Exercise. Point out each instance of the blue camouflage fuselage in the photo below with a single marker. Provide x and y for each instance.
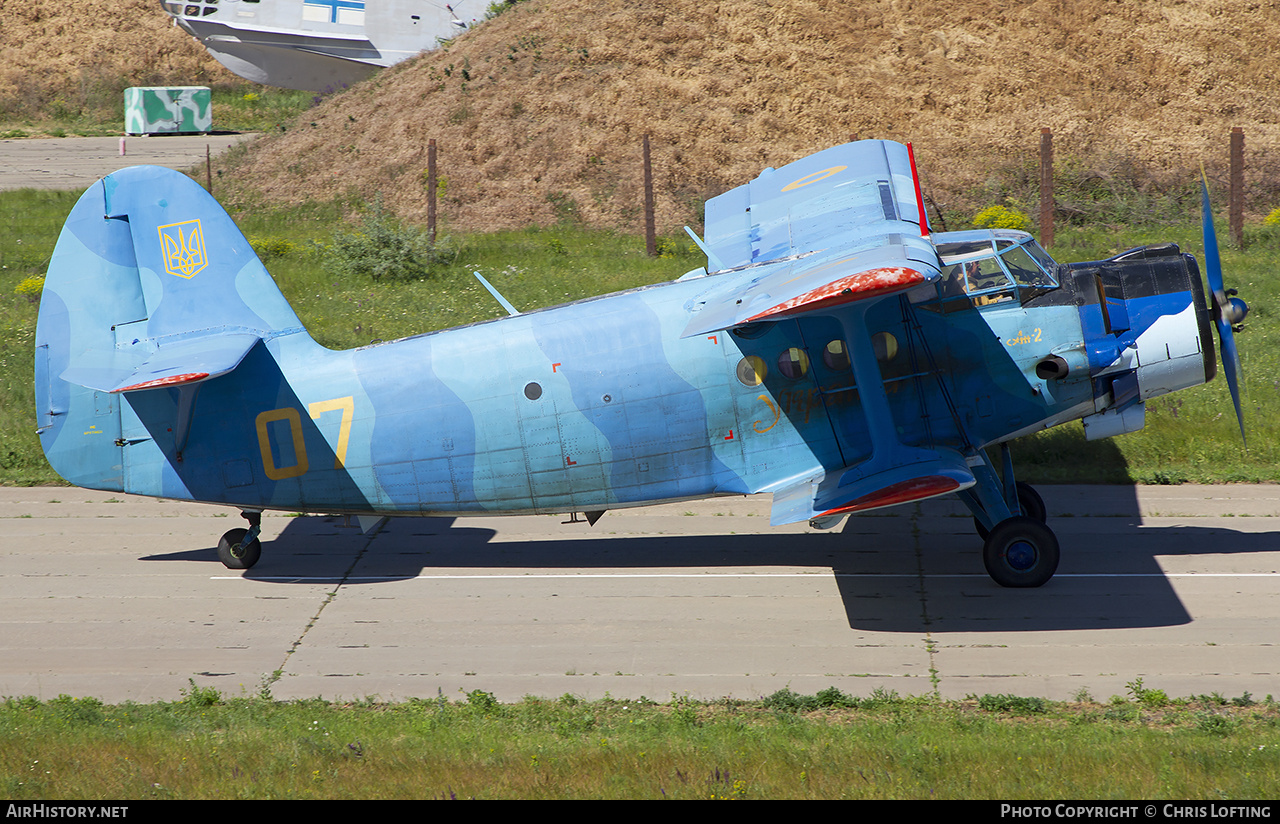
(168, 364)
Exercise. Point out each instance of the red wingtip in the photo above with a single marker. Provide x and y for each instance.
(915, 179)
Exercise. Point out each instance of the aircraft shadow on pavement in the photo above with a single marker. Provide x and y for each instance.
(894, 573)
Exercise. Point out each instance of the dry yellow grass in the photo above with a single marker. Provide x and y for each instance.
(544, 106)
(550, 99)
(77, 50)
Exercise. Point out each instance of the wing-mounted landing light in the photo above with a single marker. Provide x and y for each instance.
(1228, 310)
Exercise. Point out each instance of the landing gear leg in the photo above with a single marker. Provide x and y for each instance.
(240, 548)
(1019, 550)
(1029, 502)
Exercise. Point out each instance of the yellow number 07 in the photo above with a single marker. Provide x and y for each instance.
(346, 405)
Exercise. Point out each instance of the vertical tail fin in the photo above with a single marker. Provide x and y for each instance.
(151, 285)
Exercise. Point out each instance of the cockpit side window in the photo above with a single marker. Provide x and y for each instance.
(984, 274)
(980, 278)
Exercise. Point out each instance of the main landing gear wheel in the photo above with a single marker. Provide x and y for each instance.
(1029, 501)
(1020, 552)
(236, 553)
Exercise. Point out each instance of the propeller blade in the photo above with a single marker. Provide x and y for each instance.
(1226, 311)
(1212, 263)
(1231, 369)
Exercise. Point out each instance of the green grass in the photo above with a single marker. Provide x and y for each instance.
(532, 268)
(784, 746)
(29, 224)
(1191, 436)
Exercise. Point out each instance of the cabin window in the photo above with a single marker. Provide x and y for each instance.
(793, 363)
(751, 371)
(885, 346)
(836, 356)
(983, 280)
(532, 391)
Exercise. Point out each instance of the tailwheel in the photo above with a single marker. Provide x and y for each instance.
(1029, 501)
(240, 548)
(1020, 552)
(237, 553)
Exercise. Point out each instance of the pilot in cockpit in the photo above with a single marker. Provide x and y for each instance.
(961, 279)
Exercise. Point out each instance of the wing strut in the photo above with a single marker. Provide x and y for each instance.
(506, 304)
(917, 332)
(887, 449)
(714, 264)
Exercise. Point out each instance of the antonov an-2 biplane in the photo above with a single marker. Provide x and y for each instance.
(835, 352)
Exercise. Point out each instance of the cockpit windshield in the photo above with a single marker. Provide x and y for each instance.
(993, 271)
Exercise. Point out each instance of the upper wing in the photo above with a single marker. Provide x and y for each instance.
(837, 226)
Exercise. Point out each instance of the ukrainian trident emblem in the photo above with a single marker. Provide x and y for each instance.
(182, 247)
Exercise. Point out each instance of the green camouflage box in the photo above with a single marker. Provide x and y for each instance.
(168, 110)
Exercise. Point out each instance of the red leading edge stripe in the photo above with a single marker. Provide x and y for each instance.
(900, 493)
(872, 283)
(175, 380)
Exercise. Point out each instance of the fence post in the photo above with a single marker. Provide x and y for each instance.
(1046, 187)
(1236, 212)
(431, 191)
(650, 237)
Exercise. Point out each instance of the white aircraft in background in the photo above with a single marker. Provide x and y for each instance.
(318, 45)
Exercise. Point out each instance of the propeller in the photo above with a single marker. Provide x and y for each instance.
(1228, 310)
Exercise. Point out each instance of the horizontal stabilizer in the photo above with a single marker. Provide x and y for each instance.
(169, 364)
(848, 490)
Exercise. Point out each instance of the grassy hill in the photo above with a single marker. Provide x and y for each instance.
(539, 113)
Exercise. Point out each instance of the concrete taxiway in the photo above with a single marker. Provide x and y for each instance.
(77, 162)
(124, 599)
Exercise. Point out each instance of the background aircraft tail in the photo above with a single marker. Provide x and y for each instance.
(151, 287)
